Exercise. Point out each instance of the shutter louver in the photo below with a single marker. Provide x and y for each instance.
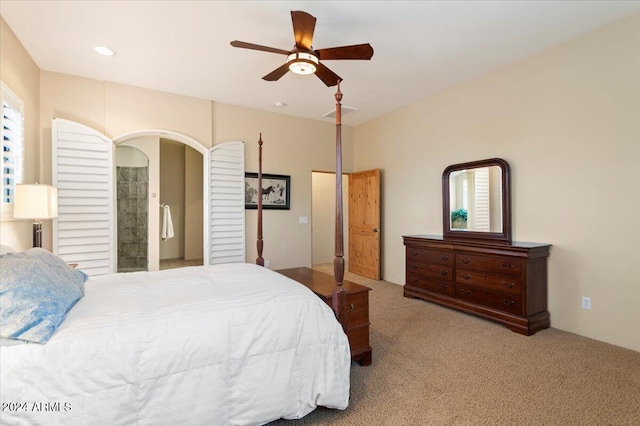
(482, 209)
(226, 203)
(11, 151)
(83, 171)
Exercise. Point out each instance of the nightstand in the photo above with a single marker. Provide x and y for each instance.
(357, 307)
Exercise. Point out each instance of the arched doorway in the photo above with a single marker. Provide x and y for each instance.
(83, 169)
(175, 197)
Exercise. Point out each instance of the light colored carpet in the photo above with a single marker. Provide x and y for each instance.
(436, 366)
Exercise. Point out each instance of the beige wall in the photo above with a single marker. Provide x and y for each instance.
(21, 74)
(323, 217)
(292, 146)
(568, 123)
(193, 219)
(172, 169)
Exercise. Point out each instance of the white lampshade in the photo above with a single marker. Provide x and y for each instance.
(35, 202)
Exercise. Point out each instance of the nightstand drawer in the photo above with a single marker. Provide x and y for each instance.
(357, 309)
(358, 338)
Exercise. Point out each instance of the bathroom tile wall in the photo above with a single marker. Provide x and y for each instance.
(133, 212)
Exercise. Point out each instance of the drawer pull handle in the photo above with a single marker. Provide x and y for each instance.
(443, 272)
(414, 253)
(465, 276)
(507, 265)
(508, 302)
(466, 260)
(413, 279)
(508, 285)
(444, 257)
(414, 266)
(351, 308)
(444, 286)
(465, 292)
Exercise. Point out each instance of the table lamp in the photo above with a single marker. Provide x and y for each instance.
(36, 202)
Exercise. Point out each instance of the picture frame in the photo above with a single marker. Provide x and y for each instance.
(276, 191)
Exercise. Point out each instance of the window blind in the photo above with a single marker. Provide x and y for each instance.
(12, 144)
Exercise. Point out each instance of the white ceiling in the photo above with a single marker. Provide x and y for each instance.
(182, 46)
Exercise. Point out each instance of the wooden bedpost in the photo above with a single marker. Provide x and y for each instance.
(260, 259)
(339, 301)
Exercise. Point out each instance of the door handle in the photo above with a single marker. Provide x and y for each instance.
(376, 230)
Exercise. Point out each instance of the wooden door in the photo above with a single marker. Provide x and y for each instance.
(364, 223)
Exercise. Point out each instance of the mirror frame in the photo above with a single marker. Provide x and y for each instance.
(499, 237)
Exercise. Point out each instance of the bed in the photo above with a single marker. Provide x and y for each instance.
(223, 344)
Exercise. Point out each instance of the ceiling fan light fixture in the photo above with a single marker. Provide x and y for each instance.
(302, 63)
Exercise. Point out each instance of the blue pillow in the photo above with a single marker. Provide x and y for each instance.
(34, 297)
(59, 266)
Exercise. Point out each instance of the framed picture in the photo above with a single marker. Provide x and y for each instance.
(275, 191)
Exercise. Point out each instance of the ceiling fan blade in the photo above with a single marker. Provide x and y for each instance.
(252, 46)
(303, 27)
(277, 73)
(357, 51)
(327, 76)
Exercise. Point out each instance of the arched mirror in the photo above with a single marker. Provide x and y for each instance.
(475, 201)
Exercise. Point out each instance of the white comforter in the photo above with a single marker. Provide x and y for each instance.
(214, 345)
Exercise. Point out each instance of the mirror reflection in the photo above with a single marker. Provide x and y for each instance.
(475, 199)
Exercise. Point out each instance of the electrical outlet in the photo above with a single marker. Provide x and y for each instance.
(267, 264)
(586, 302)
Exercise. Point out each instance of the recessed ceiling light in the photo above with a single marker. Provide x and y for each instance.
(103, 50)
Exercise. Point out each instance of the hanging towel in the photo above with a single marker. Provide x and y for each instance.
(167, 224)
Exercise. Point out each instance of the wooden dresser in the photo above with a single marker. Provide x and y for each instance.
(357, 307)
(503, 282)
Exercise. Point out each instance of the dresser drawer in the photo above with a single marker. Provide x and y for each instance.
(503, 283)
(481, 296)
(489, 264)
(357, 309)
(419, 281)
(422, 255)
(430, 270)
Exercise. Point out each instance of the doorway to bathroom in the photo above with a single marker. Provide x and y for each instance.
(159, 205)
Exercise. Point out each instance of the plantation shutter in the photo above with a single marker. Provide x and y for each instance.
(12, 144)
(83, 172)
(482, 210)
(226, 203)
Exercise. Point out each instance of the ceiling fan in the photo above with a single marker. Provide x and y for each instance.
(303, 59)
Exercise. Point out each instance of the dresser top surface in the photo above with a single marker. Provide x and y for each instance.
(439, 238)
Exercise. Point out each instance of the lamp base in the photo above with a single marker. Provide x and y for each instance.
(37, 234)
